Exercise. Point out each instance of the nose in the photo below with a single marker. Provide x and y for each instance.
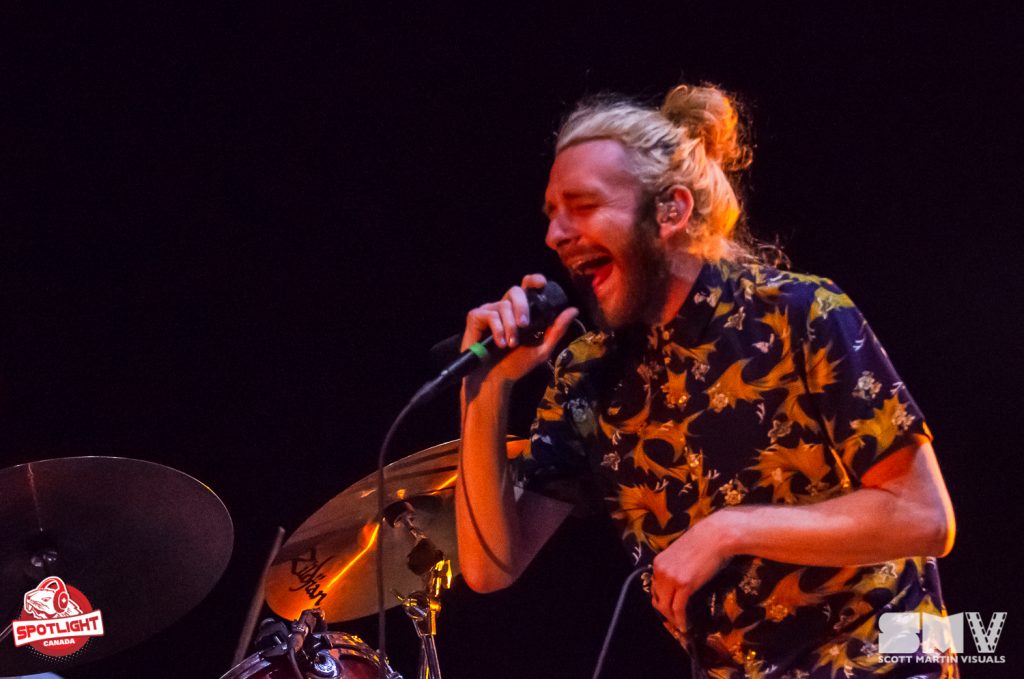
(560, 231)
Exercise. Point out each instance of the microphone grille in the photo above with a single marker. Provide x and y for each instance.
(545, 304)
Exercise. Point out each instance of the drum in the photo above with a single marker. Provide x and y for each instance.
(344, 656)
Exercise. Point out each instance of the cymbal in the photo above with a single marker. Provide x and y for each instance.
(143, 542)
(329, 561)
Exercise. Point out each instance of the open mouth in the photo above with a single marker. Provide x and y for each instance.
(595, 268)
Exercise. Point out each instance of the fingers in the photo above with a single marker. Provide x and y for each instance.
(534, 280)
(658, 601)
(479, 322)
(662, 597)
(520, 306)
(679, 635)
(502, 319)
(672, 606)
(678, 610)
(509, 325)
(670, 599)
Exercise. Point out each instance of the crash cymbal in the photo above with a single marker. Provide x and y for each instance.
(329, 561)
(143, 542)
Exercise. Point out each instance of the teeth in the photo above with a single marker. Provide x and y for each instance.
(580, 264)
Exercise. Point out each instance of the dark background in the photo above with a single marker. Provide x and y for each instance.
(229, 236)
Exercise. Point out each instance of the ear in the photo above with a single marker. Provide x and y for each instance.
(673, 208)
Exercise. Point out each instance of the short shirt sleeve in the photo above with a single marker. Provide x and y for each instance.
(865, 408)
(555, 462)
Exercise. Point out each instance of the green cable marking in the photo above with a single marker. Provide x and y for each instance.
(480, 350)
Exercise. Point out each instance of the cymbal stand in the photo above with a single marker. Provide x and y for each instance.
(422, 606)
(42, 564)
(6, 631)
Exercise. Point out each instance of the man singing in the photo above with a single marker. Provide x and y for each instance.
(742, 423)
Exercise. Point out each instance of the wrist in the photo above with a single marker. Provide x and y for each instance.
(730, 530)
(492, 389)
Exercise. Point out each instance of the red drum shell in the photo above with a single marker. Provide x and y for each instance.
(351, 657)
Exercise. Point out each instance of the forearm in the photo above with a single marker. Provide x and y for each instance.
(493, 547)
(869, 525)
(486, 520)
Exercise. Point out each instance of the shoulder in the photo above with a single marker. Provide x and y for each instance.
(805, 297)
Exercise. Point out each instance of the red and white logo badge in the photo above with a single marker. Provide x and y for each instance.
(56, 619)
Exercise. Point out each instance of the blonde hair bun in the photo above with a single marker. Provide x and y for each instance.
(710, 115)
(695, 140)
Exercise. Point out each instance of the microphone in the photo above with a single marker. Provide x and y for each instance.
(545, 304)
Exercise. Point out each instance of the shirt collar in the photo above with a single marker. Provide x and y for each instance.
(688, 325)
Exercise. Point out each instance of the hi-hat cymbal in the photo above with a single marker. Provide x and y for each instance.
(143, 542)
(329, 561)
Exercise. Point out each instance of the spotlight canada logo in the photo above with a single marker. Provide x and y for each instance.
(56, 619)
(915, 637)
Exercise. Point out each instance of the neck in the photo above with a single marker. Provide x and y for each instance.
(684, 272)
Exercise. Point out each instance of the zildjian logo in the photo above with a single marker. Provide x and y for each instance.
(307, 569)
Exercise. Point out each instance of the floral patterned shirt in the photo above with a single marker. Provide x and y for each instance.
(767, 387)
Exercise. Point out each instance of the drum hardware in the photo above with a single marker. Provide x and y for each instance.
(41, 564)
(327, 562)
(423, 606)
(306, 649)
(142, 542)
(276, 640)
(257, 601)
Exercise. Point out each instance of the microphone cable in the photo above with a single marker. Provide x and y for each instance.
(615, 617)
(379, 551)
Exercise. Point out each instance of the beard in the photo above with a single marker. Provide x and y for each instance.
(646, 271)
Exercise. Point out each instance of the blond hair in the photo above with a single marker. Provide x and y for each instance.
(695, 139)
